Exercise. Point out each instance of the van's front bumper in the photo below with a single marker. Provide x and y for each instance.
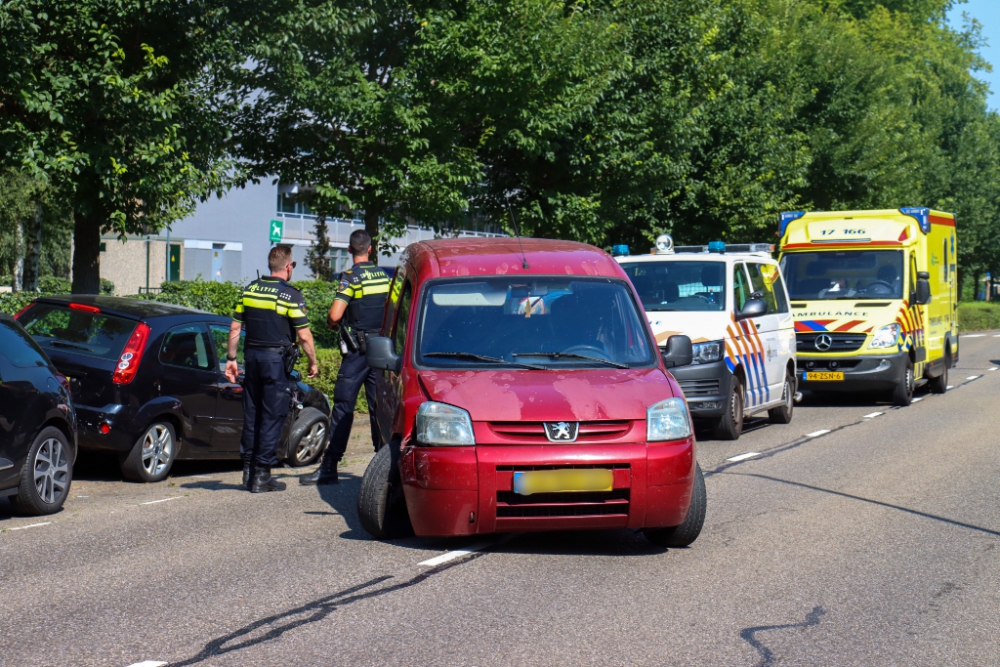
(469, 490)
(875, 372)
(706, 388)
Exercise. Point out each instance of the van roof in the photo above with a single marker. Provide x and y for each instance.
(492, 256)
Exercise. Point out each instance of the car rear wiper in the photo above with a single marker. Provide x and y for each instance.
(570, 355)
(75, 346)
(482, 357)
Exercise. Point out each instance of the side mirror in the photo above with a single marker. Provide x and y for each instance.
(923, 295)
(678, 352)
(381, 355)
(752, 308)
(923, 275)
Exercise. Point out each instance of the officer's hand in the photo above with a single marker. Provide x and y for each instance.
(232, 371)
(313, 370)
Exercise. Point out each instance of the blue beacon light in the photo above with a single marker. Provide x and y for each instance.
(717, 246)
(619, 250)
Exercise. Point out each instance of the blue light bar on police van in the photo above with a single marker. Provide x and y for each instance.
(717, 246)
(619, 250)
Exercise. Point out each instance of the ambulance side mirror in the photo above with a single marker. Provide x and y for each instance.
(923, 294)
(678, 352)
(381, 355)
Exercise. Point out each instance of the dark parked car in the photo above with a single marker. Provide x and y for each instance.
(37, 425)
(147, 380)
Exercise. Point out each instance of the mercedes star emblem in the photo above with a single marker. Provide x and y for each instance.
(824, 342)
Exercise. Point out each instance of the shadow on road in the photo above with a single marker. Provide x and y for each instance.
(582, 543)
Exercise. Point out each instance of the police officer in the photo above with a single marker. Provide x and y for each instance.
(357, 310)
(274, 315)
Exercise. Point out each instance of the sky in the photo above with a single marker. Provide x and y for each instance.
(987, 12)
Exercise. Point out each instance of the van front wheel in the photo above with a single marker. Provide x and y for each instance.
(381, 506)
(902, 395)
(730, 424)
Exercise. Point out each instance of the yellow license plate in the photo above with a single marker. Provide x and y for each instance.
(563, 481)
(825, 377)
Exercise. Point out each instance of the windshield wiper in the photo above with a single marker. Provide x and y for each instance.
(59, 343)
(570, 355)
(483, 357)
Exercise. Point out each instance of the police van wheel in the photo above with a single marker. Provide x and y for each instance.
(686, 533)
(152, 455)
(783, 415)
(730, 424)
(308, 438)
(381, 506)
(902, 395)
(939, 385)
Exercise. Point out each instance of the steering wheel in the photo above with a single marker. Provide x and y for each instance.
(589, 350)
(879, 287)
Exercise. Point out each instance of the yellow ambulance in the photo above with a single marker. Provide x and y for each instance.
(874, 299)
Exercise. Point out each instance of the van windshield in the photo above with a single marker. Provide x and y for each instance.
(537, 322)
(850, 274)
(679, 286)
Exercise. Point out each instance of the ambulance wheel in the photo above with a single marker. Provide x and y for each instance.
(730, 424)
(381, 505)
(939, 385)
(686, 533)
(902, 395)
(783, 415)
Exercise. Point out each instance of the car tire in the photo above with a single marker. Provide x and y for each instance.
(686, 533)
(730, 424)
(381, 506)
(939, 385)
(152, 455)
(47, 474)
(308, 438)
(783, 415)
(902, 394)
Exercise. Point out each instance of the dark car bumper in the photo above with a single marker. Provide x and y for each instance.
(89, 420)
(862, 373)
(705, 386)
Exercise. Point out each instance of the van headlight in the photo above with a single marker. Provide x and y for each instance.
(706, 353)
(445, 425)
(668, 420)
(886, 336)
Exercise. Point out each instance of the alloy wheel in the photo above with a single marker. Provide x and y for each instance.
(157, 448)
(310, 443)
(51, 470)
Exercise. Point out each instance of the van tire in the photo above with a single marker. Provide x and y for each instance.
(381, 506)
(730, 424)
(939, 385)
(783, 415)
(902, 394)
(686, 533)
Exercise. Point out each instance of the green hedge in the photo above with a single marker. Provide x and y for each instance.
(978, 315)
(329, 365)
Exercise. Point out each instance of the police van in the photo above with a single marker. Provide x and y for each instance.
(731, 301)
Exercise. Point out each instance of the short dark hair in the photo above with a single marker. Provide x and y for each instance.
(279, 257)
(360, 242)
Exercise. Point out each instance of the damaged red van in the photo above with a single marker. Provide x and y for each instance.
(522, 390)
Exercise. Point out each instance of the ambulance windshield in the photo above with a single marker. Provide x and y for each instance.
(679, 285)
(851, 274)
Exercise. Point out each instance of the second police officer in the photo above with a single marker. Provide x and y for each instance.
(357, 310)
(273, 313)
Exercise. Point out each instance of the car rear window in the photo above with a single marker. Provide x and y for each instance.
(17, 347)
(61, 329)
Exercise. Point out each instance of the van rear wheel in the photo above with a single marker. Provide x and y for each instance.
(939, 385)
(730, 424)
(783, 415)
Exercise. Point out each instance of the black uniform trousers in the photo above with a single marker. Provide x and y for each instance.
(266, 402)
(354, 373)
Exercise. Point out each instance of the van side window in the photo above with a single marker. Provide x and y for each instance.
(913, 277)
(741, 290)
(762, 276)
(402, 318)
(186, 346)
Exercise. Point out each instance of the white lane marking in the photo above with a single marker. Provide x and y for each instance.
(83, 496)
(972, 377)
(873, 415)
(951, 386)
(744, 457)
(161, 500)
(32, 525)
(974, 336)
(917, 400)
(148, 663)
(996, 335)
(994, 368)
(452, 555)
(816, 434)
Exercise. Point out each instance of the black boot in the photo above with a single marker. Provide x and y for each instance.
(246, 474)
(263, 482)
(325, 474)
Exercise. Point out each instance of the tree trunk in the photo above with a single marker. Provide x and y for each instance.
(33, 251)
(86, 254)
(19, 262)
(371, 226)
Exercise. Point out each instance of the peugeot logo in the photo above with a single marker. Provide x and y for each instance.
(562, 431)
(824, 342)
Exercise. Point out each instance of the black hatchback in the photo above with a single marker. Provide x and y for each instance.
(148, 383)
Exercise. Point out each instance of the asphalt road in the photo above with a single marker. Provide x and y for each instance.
(854, 538)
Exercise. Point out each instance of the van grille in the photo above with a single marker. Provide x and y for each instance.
(841, 342)
(531, 432)
(692, 388)
(605, 503)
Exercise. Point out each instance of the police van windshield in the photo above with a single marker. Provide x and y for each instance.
(535, 323)
(852, 274)
(680, 286)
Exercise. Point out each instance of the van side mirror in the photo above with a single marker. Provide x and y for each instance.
(752, 308)
(923, 295)
(678, 352)
(381, 355)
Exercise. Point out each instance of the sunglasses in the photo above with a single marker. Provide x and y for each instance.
(293, 265)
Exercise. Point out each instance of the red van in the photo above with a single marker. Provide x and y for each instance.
(524, 391)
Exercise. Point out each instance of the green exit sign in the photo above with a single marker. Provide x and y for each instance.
(277, 229)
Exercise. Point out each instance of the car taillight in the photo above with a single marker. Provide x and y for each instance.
(128, 363)
(84, 307)
(23, 310)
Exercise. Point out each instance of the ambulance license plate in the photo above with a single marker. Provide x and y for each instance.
(828, 376)
(563, 481)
